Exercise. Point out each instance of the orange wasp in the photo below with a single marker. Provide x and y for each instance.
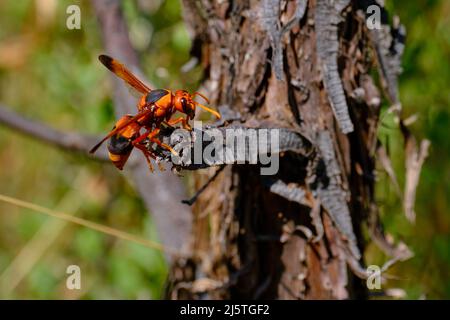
(154, 108)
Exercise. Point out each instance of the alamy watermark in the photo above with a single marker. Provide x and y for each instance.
(373, 20)
(228, 146)
(73, 281)
(73, 21)
(373, 281)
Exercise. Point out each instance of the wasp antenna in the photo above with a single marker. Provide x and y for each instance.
(201, 95)
(214, 112)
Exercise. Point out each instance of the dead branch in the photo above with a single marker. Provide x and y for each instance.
(71, 141)
(162, 192)
(388, 42)
(414, 158)
(289, 140)
(387, 166)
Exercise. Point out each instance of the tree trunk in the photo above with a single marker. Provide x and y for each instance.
(306, 66)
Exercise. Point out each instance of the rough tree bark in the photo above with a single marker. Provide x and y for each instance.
(306, 66)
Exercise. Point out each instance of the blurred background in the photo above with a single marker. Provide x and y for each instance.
(51, 74)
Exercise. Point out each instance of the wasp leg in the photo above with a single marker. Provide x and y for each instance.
(141, 138)
(184, 123)
(147, 156)
(137, 143)
(160, 166)
(167, 124)
(152, 138)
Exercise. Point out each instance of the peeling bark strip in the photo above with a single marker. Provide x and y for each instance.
(390, 54)
(399, 251)
(298, 193)
(292, 191)
(389, 43)
(270, 20)
(327, 18)
(289, 140)
(298, 15)
(270, 12)
(331, 194)
(387, 166)
(415, 157)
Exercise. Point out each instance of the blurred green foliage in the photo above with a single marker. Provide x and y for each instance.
(424, 90)
(51, 74)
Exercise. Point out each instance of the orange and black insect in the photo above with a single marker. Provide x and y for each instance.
(120, 145)
(154, 108)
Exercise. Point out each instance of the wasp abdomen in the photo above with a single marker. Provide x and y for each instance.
(119, 149)
(119, 145)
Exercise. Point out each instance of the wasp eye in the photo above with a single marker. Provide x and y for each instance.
(184, 104)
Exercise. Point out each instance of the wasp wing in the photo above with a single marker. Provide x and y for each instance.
(120, 127)
(123, 73)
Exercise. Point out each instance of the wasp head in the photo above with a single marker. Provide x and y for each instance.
(184, 102)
